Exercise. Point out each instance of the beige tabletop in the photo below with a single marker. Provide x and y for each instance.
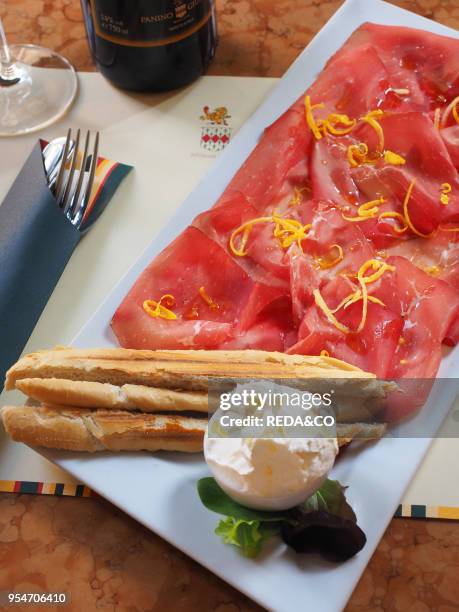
(91, 550)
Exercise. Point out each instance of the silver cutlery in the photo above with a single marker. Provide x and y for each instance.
(52, 157)
(73, 185)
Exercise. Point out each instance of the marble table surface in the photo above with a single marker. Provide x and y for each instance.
(91, 550)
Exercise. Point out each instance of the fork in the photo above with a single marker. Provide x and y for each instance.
(72, 191)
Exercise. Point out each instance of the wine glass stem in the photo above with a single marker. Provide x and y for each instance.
(5, 49)
(8, 70)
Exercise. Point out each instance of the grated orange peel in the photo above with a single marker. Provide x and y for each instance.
(407, 215)
(366, 211)
(161, 309)
(378, 269)
(287, 231)
(310, 120)
(451, 108)
(402, 228)
(445, 189)
(207, 299)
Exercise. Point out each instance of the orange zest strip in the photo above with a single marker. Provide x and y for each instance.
(366, 211)
(335, 124)
(207, 299)
(375, 300)
(372, 119)
(347, 301)
(244, 239)
(329, 124)
(394, 159)
(364, 290)
(358, 296)
(320, 302)
(401, 229)
(310, 117)
(448, 229)
(353, 298)
(407, 215)
(370, 209)
(451, 108)
(357, 155)
(161, 309)
(455, 114)
(445, 190)
(287, 231)
(379, 268)
(325, 263)
(245, 230)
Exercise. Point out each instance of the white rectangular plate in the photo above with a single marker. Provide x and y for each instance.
(160, 490)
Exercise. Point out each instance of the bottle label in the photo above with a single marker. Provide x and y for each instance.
(149, 23)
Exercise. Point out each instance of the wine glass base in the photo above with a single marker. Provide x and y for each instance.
(36, 90)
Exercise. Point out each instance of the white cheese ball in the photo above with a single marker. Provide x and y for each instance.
(270, 473)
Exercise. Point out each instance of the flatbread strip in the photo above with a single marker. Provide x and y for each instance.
(79, 429)
(188, 370)
(84, 394)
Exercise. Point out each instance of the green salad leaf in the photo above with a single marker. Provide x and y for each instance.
(330, 498)
(215, 499)
(249, 536)
(324, 523)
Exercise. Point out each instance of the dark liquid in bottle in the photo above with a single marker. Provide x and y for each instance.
(151, 45)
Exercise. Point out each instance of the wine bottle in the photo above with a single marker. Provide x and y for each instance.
(151, 45)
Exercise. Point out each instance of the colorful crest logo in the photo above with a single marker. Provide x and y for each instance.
(216, 133)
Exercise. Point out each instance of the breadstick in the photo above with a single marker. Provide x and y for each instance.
(79, 429)
(105, 395)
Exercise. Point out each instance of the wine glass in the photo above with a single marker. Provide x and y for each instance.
(37, 87)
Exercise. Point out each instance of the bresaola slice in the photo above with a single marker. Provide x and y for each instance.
(264, 295)
(188, 264)
(271, 330)
(428, 307)
(331, 238)
(427, 162)
(450, 136)
(284, 145)
(356, 90)
(438, 256)
(330, 172)
(372, 349)
(401, 339)
(424, 63)
(265, 258)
